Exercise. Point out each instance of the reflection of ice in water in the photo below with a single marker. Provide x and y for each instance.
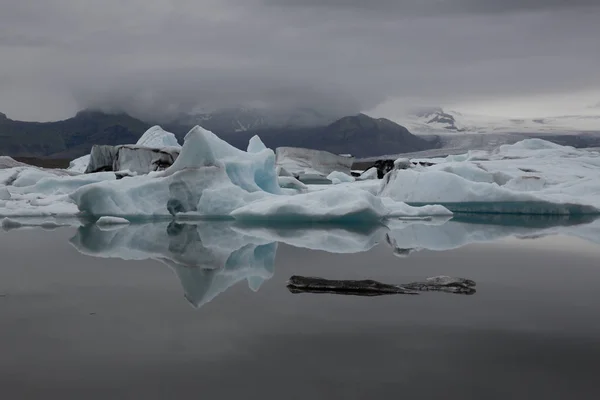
(210, 257)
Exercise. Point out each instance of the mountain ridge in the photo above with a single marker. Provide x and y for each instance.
(360, 134)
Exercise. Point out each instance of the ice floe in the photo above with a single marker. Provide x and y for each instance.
(529, 177)
(208, 178)
(300, 161)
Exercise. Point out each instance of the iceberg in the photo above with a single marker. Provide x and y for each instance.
(111, 221)
(101, 158)
(299, 161)
(337, 177)
(210, 178)
(157, 138)
(371, 173)
(342, 205)
(529, 177)
(80, 164)
(143, 160)
(156, 150)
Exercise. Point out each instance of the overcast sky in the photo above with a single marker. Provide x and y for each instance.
(512, 57)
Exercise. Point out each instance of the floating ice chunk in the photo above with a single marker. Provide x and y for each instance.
(324, 206)
(461, 195)
(282, 171)
(9, 162)
(143, 160)
(102, 158)
(402, 163)
(256, 145)
(157, 138)
(210, 178)
(4, 194)
(337, 177)
(79, 164)
(369, 174)
(307, 161)
(469, 171)
(30, 176)
(46, 184)
(250, 171)
(526, 183)
(342, 204)
(111, 221)
(35, 208)
(47, 224)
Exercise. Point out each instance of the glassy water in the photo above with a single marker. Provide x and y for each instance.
(182, 310)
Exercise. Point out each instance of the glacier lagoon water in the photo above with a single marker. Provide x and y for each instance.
(174, 309)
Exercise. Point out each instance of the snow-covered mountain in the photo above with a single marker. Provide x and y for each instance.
(435, 120)
(242, 119)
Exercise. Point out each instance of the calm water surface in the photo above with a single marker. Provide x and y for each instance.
(76, 326)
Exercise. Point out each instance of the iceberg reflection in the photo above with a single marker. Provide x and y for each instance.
(209, 257)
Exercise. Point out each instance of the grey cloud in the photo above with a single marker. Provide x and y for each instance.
(438, 7)
(159, 57)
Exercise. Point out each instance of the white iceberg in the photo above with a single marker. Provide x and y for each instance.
(369, 174)
(344, 205)
(157, 138)
(111, 221)
(529, 177)
(155, 150)
(299, 161)
(337, 177)
(143, 160)
(79, 164)
(210, 178)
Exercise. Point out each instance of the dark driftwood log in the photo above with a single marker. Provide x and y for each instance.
(302, 284)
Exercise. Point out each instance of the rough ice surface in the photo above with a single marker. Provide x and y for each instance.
(211, 179)
(157, 138)
(289, 182)
(529, 177)
(143, 160)
(314, 162)
(255, 145)
(111, 221)
(337, 177)
(369, 174)
(102, 158)
(79, 164)
(155, 150)
(9, 162)
(328, 205)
